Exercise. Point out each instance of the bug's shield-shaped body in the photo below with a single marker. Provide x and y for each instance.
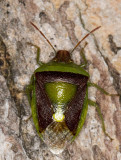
(58, 95)
(60, 106)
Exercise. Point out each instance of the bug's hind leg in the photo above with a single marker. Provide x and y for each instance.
(92, 103)
(97, 107)
(38, 52)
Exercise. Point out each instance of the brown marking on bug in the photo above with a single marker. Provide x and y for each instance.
(63, 56)
(73, 112)
(44, 110)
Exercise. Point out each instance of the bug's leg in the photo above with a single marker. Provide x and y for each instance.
(100, 89)
(83, 55)
(29, 89)
(92, 103)
(38, 52)
(28, 92)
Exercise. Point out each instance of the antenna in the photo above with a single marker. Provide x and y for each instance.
(43, 35)
(85, 37)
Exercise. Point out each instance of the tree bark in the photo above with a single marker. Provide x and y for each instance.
(64, 23)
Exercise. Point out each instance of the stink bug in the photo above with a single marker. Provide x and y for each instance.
(58, 95)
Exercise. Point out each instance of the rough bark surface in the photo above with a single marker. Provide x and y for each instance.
(64, 22)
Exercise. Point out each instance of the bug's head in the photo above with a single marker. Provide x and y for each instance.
(63, 55)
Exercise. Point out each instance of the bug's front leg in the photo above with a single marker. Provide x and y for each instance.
(38, 52)
(83, 55)
(92, 103)
(29, 89)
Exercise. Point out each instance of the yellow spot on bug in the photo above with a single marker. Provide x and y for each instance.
(58, 115)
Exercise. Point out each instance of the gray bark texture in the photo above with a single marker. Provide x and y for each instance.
(64, 22)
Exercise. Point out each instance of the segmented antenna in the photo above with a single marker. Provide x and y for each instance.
(43, 36)
(85, 37)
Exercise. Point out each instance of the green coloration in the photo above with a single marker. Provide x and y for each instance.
(100, 89)
(60, 92)
(83, 55)
(65, 97)
(90, 102)
(34, 111)
(38, 52)
(83, 115)
(29, 89)
(62, 67)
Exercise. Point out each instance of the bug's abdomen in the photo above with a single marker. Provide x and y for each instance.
(60, 96)
(59, 103)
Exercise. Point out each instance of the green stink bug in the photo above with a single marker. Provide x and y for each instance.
(58, 95)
